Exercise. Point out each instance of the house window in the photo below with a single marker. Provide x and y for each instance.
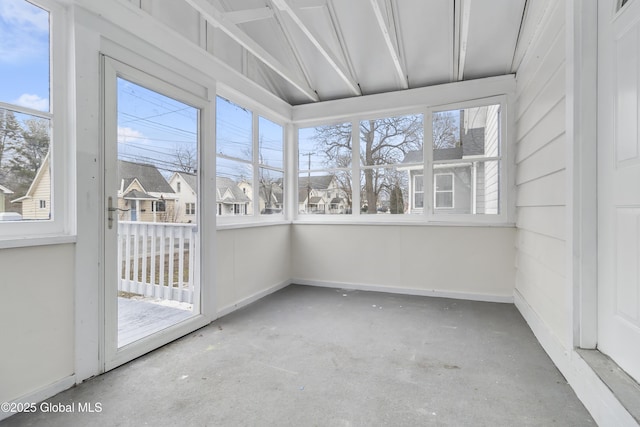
(443, 191)
(32, 34)
(178, 187)
(158, 206)
(190, 208)
(418, 191)
(250, 155)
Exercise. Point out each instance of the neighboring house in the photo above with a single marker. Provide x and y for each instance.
(322, 194)
(271, 196)
(185, 186)
(36, 204)
(231, 199)
(465, 183)
(4, 194)
(144, 194)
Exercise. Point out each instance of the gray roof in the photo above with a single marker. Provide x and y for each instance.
(276, 191)
(472, 145)
(237, 195)
(138, 195)
(318, 182)
(191, 180)
(147, 175)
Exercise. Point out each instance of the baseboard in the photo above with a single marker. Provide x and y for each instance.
(42, 394)
(407, 291)
(601, 403)
(252, 298)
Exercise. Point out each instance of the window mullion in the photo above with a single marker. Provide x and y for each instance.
(355, 168)
(256, 164)
(427, 177)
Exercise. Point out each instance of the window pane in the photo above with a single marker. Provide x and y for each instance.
(157, 155)
(234, 187)
(24, 54)
(233, 130)
(325, 147)
(386, 191)
(390, 140)
(25, 176)
(271, 191)
(270, 143)
(467, 188)
(325, 193)
(459, 134)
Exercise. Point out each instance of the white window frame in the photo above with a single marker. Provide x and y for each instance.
(452, 191)
(60, 227)
(429, 214)
(438, 215)
(254, 217)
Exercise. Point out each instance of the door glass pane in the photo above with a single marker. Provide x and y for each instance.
(157, 211)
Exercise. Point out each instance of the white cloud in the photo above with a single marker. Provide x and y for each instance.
(32, 101)
(126, 134)
(25, 31)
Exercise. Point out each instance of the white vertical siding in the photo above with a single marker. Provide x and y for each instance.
(540, 173)
(491, 170)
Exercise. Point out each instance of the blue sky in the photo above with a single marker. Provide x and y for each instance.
(24, 54)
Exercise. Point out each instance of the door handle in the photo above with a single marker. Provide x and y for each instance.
(111, 210)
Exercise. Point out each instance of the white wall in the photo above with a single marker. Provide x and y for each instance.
(252, 262)
(36, 314)
(541, 177)
(465, 262)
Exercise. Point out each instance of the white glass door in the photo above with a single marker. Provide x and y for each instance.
(152, 234)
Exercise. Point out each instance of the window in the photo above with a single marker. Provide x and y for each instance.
(380, 165)
(178, 187)
(190, 208)
(250, 154)
(389, 153)
(325, 170)
(158, 206)
(31, 108)
(467, 157)
(418, 191)
(443, 191)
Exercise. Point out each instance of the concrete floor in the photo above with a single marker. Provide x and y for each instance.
(309, 356)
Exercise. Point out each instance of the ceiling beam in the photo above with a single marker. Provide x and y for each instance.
(328, 56)
(217, 19)
(462, 15)
(402, 76)
(249, 15)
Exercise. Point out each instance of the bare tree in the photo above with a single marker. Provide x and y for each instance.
(446, 129)
(382, 142)
(186, 159)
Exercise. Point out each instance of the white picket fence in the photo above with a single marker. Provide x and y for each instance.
(157, 259)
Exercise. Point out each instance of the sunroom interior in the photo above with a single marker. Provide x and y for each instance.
(202, 155)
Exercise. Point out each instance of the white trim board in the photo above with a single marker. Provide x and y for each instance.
(601, 403)
(407, 291)
(228, 309)
(42, 394)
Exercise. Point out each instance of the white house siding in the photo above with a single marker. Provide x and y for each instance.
(251, 262)
(491, 169)
(37, 314)
(423, 260)
(540, 174)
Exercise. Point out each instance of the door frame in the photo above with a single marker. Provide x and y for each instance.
(581, 131)
(184, 88)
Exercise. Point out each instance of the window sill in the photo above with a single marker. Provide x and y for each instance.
(411, 222)
(46, 240)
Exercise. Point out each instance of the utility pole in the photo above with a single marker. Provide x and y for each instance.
(308, 178)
